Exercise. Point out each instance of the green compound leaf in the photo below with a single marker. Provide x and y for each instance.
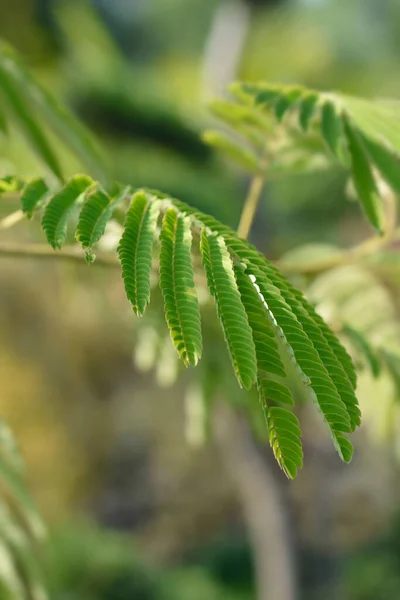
(13, 94)
(28, 101)
(276, 391)
(232, 315)
(283, 428)
(267, 351)
(329, 382)
(135, 250)
(96, 211)
(177, 286)
(386, 161)
(308, 106)
(33, 196)
(59, 208)
(332, 129)
(364, 181)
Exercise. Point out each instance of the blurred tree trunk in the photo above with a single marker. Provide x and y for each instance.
(224, 46)
(263, 507)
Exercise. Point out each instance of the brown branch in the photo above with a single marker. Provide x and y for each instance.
(371, 245)
(71, 253)
(11, 219)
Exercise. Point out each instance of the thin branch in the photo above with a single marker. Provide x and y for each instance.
(252, 200)
(250, 206)
(11, 219)
(352, 255)
(71, 253)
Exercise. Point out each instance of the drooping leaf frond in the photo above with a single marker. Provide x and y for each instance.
(97, 210)
(13, 98)
(231, 312)
(331, 127)
(276, 391)
(33, 196)
(267, 323)
(320, 369)
(307, 109)
(335, 357)
(386, 161)
(267, 351)
(299, 340)
(28, 102)
(283, 426)
(364, 181)
(93, 218)
(135, 250)
(57, 211)
(177, 286)
(363, 136)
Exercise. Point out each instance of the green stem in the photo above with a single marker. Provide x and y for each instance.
(250, 206)
(252, 200)
(70, 253)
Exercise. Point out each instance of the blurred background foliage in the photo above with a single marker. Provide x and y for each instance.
(137, 506)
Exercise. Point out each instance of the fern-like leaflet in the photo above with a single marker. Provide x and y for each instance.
(97, 210)
(364, 136)
(177, 286)
(232, 314)
(297, 327)
(59, 208)
(267, 351)
(266, 322)
(33, 195)
(283, 426)
(135, 250)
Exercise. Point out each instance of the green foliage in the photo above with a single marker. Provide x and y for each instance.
(21, 529)
(231, 312)
(299, 328)
(275, 339)
(10, 184)
(88, 563)
(59, 208)
(33, 108)
(266, 322)
(135, 250)
(283, 426)
(332, 128)
(360, 300)
(94, 216)
(177, 286)
(272, 333)
(13, 97)
(363, 136)
(386, 161)
(260, 321)
(364, 180)
(33, 195)
(242, 156)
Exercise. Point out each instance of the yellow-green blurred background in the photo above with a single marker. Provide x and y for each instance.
(137, 507)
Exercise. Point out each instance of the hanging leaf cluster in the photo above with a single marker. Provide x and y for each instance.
(362, 136)
(264, 319)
